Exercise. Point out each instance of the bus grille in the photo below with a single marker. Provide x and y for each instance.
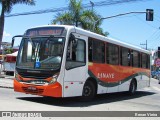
(36, 76)
(32, 91)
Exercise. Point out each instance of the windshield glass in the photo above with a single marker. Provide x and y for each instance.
(41, 53)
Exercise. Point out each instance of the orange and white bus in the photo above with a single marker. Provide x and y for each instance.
(66, 61)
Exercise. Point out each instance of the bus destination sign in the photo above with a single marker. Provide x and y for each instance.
(45, 31)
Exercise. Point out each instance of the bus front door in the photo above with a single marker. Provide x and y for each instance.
(75, 67)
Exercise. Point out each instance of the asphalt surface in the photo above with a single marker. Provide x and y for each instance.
(147, 99)
(6, 81)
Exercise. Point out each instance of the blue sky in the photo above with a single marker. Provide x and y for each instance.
(133, 28)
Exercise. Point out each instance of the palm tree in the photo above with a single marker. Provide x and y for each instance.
(91, 21)
(79, 17)
(6, 8)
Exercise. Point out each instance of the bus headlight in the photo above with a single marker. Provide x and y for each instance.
(17, 77)
(54, 79)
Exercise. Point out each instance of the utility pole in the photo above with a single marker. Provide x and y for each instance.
(144, 44)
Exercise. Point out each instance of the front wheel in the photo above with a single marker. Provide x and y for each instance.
(89, 91)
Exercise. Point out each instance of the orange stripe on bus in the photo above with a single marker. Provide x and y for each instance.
(114, 73)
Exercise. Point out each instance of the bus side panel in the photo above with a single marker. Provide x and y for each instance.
(117, 78)
(106, 75)
(124, 86)
(126, 75)
(73, 88)
(102, 89)
(74, 81)
(143, 77)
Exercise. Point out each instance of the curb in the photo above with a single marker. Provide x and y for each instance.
(6, 87)
(2, 77)
(7, 77)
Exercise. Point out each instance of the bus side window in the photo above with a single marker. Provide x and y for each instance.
(112, 54)
(98, 51)
(126, 57)
(76, 54)
(90, 48)
(145, 61)
(136, 59)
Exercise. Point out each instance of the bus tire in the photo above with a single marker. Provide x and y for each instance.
(132, 87)
(89, 91)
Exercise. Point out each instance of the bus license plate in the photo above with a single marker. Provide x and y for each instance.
(32, 88)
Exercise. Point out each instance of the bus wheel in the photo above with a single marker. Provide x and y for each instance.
(89, 91)
(133, 87)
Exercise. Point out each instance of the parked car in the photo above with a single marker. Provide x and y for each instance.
(154, 74)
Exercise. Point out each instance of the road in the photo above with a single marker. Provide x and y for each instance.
(147, 99)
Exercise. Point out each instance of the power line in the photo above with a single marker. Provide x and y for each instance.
(96, 4)
(145, 22)
(153, 41)
(157, 17)
(153, 34)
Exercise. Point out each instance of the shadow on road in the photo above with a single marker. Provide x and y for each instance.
(75, 102)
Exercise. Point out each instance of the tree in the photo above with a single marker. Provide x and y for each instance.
(7, 6)
(8, 50)
(79, 17)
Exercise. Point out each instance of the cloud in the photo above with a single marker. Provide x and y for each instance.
(5, 34)
(6, 37)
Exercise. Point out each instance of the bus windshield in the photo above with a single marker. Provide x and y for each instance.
(41, 53)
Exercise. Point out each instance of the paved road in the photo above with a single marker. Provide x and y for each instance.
(147, 99)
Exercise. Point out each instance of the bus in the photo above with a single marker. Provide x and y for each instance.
(66, 61)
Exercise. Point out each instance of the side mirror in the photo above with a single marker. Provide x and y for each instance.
(13, 39)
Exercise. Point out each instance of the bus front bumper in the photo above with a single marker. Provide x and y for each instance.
(53, 90)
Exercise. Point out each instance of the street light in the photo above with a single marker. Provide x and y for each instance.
(149, 16)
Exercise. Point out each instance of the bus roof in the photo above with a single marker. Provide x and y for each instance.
(99, 37)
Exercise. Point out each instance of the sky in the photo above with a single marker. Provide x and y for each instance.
(132, 29)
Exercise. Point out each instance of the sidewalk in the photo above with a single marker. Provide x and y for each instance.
(6, 81)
